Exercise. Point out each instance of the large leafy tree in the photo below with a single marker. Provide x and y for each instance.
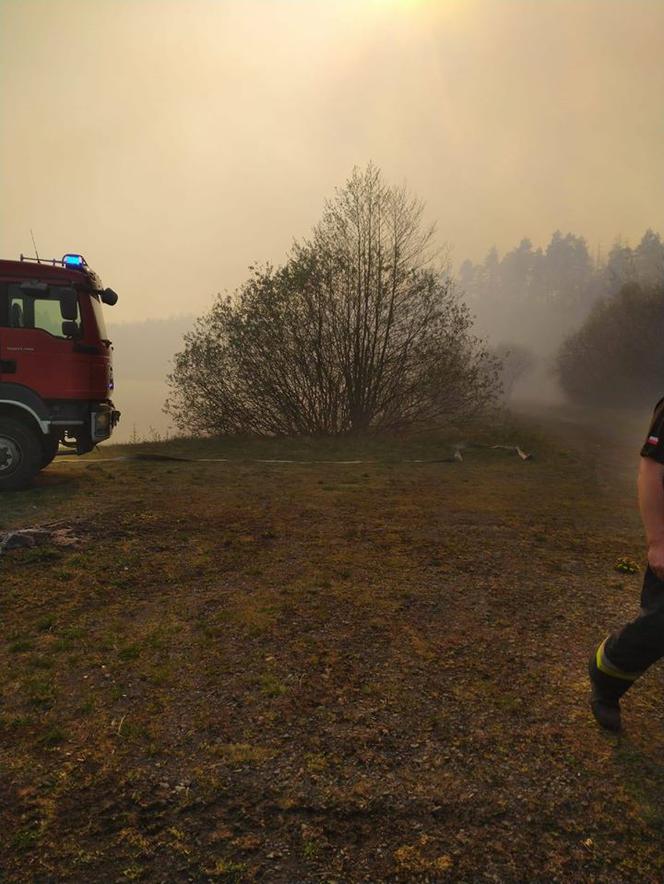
(361, 329)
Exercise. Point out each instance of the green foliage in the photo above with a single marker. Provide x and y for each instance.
(53, 737)
(616, 357)
(627, 565)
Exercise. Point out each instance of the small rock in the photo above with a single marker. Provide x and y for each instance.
(31, 537)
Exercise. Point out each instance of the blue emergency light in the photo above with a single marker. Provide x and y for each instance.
(74, 261)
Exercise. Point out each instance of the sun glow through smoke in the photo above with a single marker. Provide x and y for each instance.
(440, 7)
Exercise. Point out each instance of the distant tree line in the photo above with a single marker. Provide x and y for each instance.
(361, 329)
(537, 297)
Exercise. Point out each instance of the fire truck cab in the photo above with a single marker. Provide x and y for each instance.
(56, 374)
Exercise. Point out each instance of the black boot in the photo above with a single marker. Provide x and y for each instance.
(606, 692)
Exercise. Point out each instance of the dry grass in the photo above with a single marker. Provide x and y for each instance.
(326, 672)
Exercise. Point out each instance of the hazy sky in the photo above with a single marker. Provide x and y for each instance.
(174, 142)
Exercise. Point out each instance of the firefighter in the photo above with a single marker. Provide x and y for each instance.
(625, 655)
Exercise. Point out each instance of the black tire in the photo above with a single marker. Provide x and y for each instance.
(21, 454)
(50, 445)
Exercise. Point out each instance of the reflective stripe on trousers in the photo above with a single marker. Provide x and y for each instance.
(604, 665)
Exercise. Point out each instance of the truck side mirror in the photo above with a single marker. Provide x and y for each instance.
(109, 297)
(70, 329)
(68, 304)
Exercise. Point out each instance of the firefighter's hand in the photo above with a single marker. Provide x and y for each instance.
(656, 557)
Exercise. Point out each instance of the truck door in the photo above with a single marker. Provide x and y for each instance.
(6, 364)
(37, 346)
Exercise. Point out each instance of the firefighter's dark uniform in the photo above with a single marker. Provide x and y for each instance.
(626, 654)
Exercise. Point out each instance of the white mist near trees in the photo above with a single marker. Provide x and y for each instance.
(361, 329)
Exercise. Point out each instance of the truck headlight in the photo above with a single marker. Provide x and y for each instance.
(101, 423)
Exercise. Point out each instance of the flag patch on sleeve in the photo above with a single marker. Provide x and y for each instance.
(653, 440)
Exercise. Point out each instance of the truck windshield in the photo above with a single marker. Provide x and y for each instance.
(99, 317)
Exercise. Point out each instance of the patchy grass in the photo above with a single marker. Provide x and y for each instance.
(328, 671)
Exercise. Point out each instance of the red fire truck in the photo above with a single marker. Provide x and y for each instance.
(56, 375)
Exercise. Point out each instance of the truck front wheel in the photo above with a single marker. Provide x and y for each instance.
(20, 454)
